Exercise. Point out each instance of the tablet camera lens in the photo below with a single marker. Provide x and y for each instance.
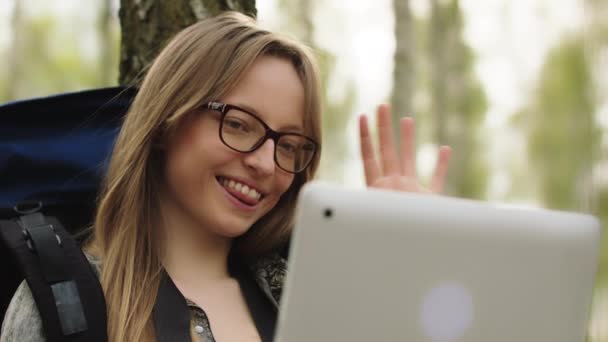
(328, 213)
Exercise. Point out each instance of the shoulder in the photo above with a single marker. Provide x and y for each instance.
(22, 320)
(95, 263)
(270, 272)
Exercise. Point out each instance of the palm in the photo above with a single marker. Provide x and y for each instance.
(397, 173)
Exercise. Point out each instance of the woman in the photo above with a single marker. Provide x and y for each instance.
(205, 174)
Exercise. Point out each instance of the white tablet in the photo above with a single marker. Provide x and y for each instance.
(373, 265)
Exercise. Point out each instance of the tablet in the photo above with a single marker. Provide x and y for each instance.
(377, 265)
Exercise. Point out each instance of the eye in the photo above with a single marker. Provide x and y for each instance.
(286, 146)
(308, 147)
(236, 124)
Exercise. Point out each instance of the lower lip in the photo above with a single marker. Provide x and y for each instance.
(237, 203)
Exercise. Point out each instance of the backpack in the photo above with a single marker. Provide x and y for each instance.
(53, 152)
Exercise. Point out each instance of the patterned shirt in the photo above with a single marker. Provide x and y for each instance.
(22, 321)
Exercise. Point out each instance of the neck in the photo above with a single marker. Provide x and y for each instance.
(194, 257)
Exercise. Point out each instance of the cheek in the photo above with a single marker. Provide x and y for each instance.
(285, 181)
(177, 175)
(196, 151)
(282, 183)
(179, 161)
(183, 163)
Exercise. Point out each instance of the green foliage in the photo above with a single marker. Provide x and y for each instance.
(51, 62)
(4, 92)
(336, 114)
(297, 19)
(563, 137)
(602, 212)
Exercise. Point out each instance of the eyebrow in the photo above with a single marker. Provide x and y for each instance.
(296, 128)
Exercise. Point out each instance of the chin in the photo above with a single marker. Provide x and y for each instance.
(233, 234)
(232, 230)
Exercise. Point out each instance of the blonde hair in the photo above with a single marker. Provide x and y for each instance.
(202, 63)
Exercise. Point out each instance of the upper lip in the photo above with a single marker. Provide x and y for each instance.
(249, 183)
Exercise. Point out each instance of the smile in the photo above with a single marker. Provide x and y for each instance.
(242, 192)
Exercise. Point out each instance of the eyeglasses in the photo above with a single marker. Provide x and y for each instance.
(244, 132)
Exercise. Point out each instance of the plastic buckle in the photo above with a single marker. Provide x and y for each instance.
(29, 241)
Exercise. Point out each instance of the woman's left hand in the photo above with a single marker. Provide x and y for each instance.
(397, 173)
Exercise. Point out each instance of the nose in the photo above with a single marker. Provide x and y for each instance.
(262, 159)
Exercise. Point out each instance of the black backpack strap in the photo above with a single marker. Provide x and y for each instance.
(66, 290)
(171, 313)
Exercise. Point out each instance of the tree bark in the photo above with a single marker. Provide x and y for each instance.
(147, 25)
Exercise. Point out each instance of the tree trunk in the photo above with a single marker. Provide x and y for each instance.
(404, 71)
(458, 102)
(147, 25)
(438, 70)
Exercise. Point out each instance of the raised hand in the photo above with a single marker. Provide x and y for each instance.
(397, 173)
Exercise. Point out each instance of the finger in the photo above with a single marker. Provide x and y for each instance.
(370, 166)
(388, 154)
(441, 169)
(408, 149)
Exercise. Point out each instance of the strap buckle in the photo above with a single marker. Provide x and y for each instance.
(35, 220)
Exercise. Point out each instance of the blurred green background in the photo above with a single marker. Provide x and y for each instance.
(519, 88)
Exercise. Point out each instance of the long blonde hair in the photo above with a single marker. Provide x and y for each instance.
(202, 63)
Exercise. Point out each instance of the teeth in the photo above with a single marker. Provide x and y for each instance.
(244, 189)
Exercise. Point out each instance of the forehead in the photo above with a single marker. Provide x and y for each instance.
(273, 90)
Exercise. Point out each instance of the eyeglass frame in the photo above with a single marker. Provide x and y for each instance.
(269, 133)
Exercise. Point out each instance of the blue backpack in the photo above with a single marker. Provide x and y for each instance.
(53, 153)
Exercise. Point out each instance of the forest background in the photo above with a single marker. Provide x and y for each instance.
(518, 88)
